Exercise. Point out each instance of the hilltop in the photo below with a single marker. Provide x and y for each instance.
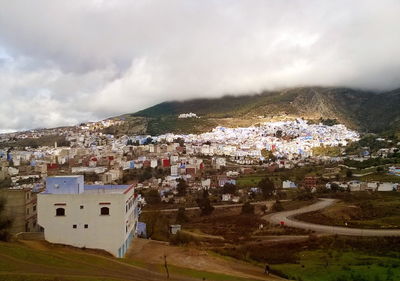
(366, 111)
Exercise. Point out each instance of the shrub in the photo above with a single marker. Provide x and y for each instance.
(247, 208)
(182, 238)
(277, 207)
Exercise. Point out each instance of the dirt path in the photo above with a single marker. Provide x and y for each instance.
(154, 251)
(287, 218)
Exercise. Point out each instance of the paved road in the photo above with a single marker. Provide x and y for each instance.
(266, 203)
(287, 218)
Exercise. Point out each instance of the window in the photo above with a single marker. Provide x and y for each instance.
(74, 226)
(34, 208)
(104, 211)
(27, 211)
(81, 207)
(86, 225)
(60, 212)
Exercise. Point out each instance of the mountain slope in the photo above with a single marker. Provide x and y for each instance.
(363, 110)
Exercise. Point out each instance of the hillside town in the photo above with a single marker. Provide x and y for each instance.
(102, 168)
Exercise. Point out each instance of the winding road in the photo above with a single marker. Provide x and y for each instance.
(287, 218)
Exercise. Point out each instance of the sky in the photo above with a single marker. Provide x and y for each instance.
(66, 62)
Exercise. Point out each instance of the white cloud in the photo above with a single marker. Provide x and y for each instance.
(62, 62)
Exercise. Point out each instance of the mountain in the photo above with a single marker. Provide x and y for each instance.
(366, 111)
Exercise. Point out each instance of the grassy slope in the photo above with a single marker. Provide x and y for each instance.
(331, 265)
(43, 261)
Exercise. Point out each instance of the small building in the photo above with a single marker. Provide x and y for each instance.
(310, 182)
(21, 207)
(92, 216)
(174, 228)
(288, 184)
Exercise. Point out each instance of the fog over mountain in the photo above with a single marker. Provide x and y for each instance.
(63, 62)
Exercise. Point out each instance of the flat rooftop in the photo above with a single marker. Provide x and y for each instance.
(97, 188)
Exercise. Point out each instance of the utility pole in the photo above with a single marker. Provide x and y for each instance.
(166, 266)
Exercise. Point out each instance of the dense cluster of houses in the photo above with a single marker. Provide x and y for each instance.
(288, 139)
(355, 185)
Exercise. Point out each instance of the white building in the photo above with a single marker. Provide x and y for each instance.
(92, 216)
(288, 184)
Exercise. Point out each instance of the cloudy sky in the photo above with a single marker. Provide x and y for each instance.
(63, 62)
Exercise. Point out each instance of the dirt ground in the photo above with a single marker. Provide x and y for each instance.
(152, 251)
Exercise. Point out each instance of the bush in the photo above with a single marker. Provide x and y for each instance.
(204, 203)
(152, 196)
(277, 207)
(182, 238)
(263, 208)
(247, 208)
(304, 195)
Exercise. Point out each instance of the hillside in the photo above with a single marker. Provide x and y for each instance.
(39, 261)
(363, 110)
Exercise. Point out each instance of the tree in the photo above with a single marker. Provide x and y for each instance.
(152, 196)
(247, 208)
(182, 187)
(267, 154)
(181, 141)
(149, 140)
(146, 175)
(267, 187)
(5, 223)
(335, 187)
(205, 204)
(228, 188)
(181, 216)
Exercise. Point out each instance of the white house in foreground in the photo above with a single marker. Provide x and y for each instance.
(92, 216)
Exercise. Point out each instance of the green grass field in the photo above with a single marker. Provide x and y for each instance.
(323, 265)
(382, 177)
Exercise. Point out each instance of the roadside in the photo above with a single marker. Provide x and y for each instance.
(287, 219)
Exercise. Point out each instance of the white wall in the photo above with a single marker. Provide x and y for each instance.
(103, 232)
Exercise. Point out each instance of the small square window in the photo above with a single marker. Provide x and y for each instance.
(81, 207)
(86, 225)
(74, 226)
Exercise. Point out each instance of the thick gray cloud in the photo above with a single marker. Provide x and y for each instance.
(63, 62)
